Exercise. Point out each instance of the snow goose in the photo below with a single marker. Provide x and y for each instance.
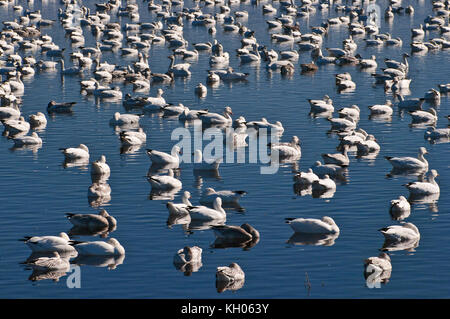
(132, 137)
(433, 133)
(432, 95)
(324, 184)
(337, 158)
(428, 116)
(369, 145)
(228, 197)
(92, 221)
(54, 262)
(16, 127)
(38, 120)
(231, 75)
(352, 111)
(327, 169)
(417, 32)
(230, 274)
(405, 232)
(9, 113)
(291, 149)
(367, 63)
(100, 167)
(313, 226)
(245, 232)
(164, 182)
(162, 158)
(63, 107)
(424, 188)
(49, 243)
(173, 110)
(201, 90)
(156, 102)
(347, 123)
(215, 118)
(209, 164)
(99, 248)
(124, 119)
(403, 66)
(188, 256)
(76, 153)
(180, 208)
(34, 139)
(69, 71)
(307, 178)
(203, 213)
(114, 93)
(380, 264)
(325, 105)
(190, 115)
(399, 208)
(181, 69)
(410, 162)
(410, 104)
(345, 85)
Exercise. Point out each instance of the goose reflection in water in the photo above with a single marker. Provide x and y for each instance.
(99, 261)
(313, 239)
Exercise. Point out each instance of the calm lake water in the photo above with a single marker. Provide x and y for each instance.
(36, 190)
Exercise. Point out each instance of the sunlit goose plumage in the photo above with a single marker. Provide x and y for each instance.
(37, 119)
(410, 162)
(190, 115)
(324, 184)
(9, 113)
(55, 262)
(100, 167)
(368, 145)
(425, 188)
(434, 133)
(341, 159)
(405, 232)
(181, 69)
(382, 262)
(347, 123)
(382, 109)
(400, 207)
(326, 225)
(244, 232)
(92, 221)
(33, 139)
(230, 274)
(352, 111)
(157, 100)
(165, 182)
(15, 127)
(99, 248)
(124, 119)
(76, 153)
(306, 178)
(203, 213)
(180, 208)
(429, 116)
(133, 137)
(158, 157)
(290, 149)
(188, 255)
(215, 118)
(48, 243)
(326, 169)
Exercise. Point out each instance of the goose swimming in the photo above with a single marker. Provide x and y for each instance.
(400, 208)
(404, 232)
(60, 107)
(34, 139)
(341, 159)
(124, 119)
(165, 182)
(410, 162)
(162, 158)
(245, 232)
(92, 221)
(291, 149)
(203, 213)
(326, 225)
(228, 197)
(425, 187)
(230, 274)
(49, 243)
(99, 248)
(76, 153)
(100, 167)
(215, 118)
(54, 262)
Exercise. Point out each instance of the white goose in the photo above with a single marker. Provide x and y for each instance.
(181, 69)
(382, 262)
(341, 159)
(124, 119)
(428, 116)
(132, 137)
(405, 232)
(203, 213)
(410, 162)
(99, 248)
(181, 208)
(306, 178)
(76, 153)
(400, 207)
(230, 274)
(162, 158)
(100, 167)
(382, 109)
(313, 226)
(425, 188)
(324, 184)
(165, 182)
(228, 197)
(38, 119)
(34, 139)
(55, 262)
(49, 243)
(92, 221)
(291, 149)
(188, 255)
(215, 118)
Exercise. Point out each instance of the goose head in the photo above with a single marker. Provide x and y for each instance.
(228, 111)
(83, 147)
(64, 235)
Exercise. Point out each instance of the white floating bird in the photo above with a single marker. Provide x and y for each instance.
(124, 119)
(165, 182)
(410, 162)
(34, 139)
(341, 159)
(55, 262)
(405, 232)
(425, 188)
(313, 226)
(162, 158)
(99, 248)
(76, 153)
(203, 213)
(92, 221)
(49, 243)
(228, 197)
(100, 167)
(291, 149)
(230, 274)
(400, 207)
